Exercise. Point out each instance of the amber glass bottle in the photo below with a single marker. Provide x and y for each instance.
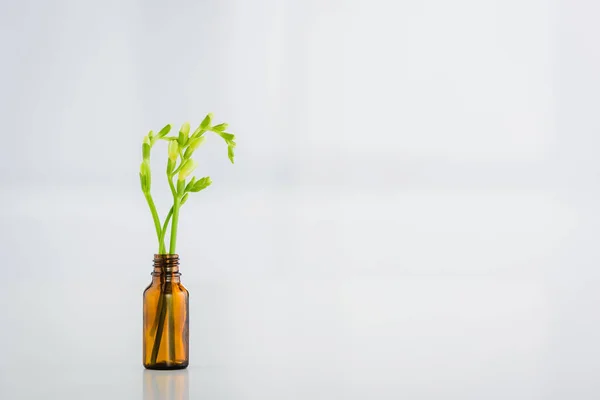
(166, 324)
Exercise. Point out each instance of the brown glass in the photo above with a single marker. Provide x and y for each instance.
(166, 318)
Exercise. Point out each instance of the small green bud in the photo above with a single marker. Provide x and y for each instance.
(182, 140)
(170, 166)
(226, 136)
(183, 134)
(194, 144)
(151, 135)
(188, 187)
(145, 176)
(198, 132)
(184, 199)
(206, 121)
(181, 186)
(146, 148)
(202, 183)
(197, 142)
(144, 168)
(188, 166)
(163, 132)
(185, 128)
(220, 127)
(143, 182)
(173, 150)
(230, 154)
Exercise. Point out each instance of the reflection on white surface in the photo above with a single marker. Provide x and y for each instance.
(166, 385)
(372, 338)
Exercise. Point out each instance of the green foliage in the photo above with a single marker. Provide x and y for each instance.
(180, 150)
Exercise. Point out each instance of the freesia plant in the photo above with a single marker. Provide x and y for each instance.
(180, 166)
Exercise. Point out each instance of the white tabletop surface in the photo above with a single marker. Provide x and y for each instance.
(411, 337)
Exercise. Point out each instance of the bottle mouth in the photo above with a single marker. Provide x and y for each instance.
(166, 264)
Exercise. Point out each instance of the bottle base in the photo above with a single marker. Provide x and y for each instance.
(165, 366)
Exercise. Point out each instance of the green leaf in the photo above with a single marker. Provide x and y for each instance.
(188, 166)
(220, 127)
(201, 184)
(173, 150)
(206, 121)
(163, 132)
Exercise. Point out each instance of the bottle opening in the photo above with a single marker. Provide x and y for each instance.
(166, 264)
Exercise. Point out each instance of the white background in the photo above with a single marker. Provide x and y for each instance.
(413, 212)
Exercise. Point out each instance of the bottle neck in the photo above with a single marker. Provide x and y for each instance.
(166, 268)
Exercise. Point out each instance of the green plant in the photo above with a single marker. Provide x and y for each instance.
(180, 165)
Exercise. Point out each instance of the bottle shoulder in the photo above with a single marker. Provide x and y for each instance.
(184, 289)
(175, 287)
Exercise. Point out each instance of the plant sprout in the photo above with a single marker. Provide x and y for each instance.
(180, 166)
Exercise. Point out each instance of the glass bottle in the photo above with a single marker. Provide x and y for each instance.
(166, 318)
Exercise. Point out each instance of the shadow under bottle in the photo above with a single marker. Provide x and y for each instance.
(166, 317)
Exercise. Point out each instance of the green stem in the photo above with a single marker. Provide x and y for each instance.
(159, 307)
(177, 169)
(164, 230)
(171, 330)
(170, 179)
(161, 324)
(155, 218)
(176, 204)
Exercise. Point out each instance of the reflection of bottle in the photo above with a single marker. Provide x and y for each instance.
(166, 385)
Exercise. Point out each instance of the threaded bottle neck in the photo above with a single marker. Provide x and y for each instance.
(167, 264)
